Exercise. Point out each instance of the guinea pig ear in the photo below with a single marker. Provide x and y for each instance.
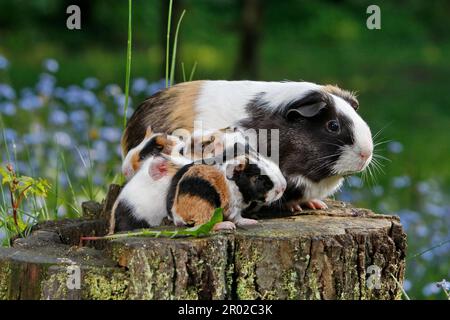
(148, 132)
(307, 110)
(158, 169)
(234, 169)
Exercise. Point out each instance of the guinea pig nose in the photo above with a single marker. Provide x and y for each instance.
(364, 155)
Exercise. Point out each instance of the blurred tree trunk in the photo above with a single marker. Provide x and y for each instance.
(176, 13)
(247, 65)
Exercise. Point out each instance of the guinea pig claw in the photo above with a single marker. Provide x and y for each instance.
(294, 207)
(224, 225)
(316, 204)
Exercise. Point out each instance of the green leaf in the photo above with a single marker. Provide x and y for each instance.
(197, 231)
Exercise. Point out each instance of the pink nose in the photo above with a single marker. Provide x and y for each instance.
(280, 190)
(364, 155)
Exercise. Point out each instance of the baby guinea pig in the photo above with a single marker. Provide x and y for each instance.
(141, 203)
(198, 189)
(152, 144)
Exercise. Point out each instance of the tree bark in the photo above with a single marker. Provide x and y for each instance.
(313, 255)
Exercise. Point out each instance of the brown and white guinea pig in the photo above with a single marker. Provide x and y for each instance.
(198, 189)
(151, 145)
(321, 136)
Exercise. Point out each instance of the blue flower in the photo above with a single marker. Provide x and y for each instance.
(444, 284)
(424, 187)
(100, 151)
(155, 87)
(430, 289)
(401, 182)
(407, 285)
(437, 211)
(88, 98)
(8, 108)
(377, 191)
(46, 84)
(51, 65)
(58, 117)
(112, 90)
(421, 231)
(63, 139)
(139, 86)
(91, 83)
(35, 138)
(110, 134)
(4, 63)
(355, 182)
(79, 119)
(30, 102)
(120, 102)
(7, 92)
(9, 135)
(395, 147)
(72, 95)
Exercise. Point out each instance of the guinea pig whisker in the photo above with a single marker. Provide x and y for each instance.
(380, 131)
(325, 157)
(332, 144)
(376, 144)
(378, 156)
(320, 167)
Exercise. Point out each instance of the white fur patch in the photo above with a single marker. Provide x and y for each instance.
(317, 190)
(222, 103)
(145, 196)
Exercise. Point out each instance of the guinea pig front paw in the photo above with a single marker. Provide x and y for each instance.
(246, 222)
(316, 204)
(294, 206)
(224, 225)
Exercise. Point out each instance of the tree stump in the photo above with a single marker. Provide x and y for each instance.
(339, 253)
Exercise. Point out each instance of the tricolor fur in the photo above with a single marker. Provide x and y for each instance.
(313, 158)
(197, 189)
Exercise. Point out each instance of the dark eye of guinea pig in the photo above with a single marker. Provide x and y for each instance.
(333, 126)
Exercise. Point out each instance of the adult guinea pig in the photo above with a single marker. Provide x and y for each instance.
(321, 136)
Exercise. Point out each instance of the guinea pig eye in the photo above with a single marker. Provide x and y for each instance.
(333, 126)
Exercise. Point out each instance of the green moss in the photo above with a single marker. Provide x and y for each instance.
(247, 275)
(55, 286)
(103, 284)
(290, 284)
(147, 279)
(5, 275)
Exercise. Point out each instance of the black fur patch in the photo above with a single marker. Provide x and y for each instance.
(125, 221)
(151, 148)
(200, 187)
(173, 187)
(252, 184)
(307, 148)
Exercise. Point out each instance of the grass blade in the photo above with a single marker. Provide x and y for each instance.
(169, 18)
(174, 49)
(194, 68)
(128, 65)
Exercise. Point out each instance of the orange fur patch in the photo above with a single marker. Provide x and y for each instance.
(193, 209)
(165, 111)
(185, 96)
